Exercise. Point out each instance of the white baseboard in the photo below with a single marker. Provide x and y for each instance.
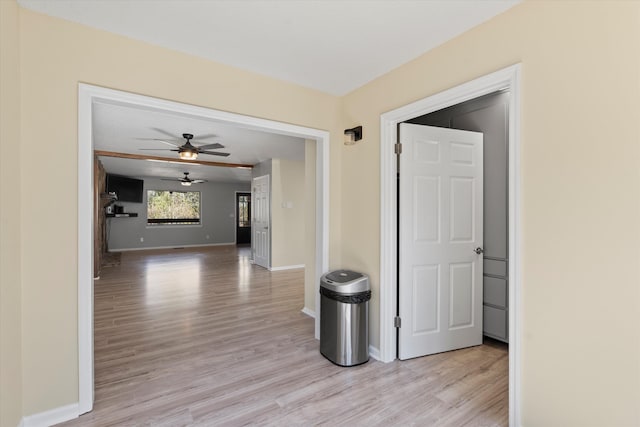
(309, 312)
(286, 267)
(170, 247)
(52, 416)
(374, 352)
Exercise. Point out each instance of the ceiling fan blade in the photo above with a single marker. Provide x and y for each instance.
(214, 153)
(205, 136)
(164, 141)
(170, 179)
(173, 144)
(156, 149)
(210, 146)
(164, 132)
(198, 181)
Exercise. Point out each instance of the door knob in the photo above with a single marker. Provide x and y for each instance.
(478, 250)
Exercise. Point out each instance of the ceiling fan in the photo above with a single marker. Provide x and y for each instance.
(186, 181)
(188, 151)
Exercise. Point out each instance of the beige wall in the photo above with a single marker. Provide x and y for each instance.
(287, 213)
(580, 195)
(56, 56)
(10, 268)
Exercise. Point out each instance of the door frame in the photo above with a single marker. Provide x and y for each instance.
(88, 95)
(507, 78)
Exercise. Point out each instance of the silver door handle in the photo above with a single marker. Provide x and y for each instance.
(478, 250)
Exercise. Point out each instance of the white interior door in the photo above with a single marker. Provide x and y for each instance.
(261, 241)
(440, 218)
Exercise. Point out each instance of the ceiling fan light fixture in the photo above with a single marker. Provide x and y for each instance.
(188, 154)
(186, 183)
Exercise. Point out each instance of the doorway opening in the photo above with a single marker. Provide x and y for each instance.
(505, 79)
(88, 97)
(243, 218)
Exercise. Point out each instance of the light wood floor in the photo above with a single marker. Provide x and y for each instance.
(204, 338)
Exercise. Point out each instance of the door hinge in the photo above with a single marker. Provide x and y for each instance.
(398, 148)
(397, 322)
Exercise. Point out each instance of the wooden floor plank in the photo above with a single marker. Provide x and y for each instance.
(202, 337)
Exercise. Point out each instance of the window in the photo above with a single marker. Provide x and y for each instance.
(173, 207)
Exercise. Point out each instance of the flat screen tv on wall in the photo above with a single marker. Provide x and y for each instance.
(127, 189)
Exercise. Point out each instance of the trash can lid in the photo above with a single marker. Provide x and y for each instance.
(345, 282)
(343, 276)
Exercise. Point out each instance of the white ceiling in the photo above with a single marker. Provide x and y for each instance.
(329, 45)
(333, 46)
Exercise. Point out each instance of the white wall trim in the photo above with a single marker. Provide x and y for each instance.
(85, 249)
(309, 312)
(286, 267)
(51, 417)
(515, 250)
(88, 95)
(199, 245)
(322, 222)
(507, 78)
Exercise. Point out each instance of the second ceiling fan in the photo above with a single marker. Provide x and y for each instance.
(188, 151)
(186, 181)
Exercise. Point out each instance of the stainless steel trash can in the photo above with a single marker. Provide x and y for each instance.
(344, 317)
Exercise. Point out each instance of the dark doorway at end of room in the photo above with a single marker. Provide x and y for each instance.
(243, 218)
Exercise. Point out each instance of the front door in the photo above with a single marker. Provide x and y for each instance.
(441, 236)
(261, 242)
(243, 218)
